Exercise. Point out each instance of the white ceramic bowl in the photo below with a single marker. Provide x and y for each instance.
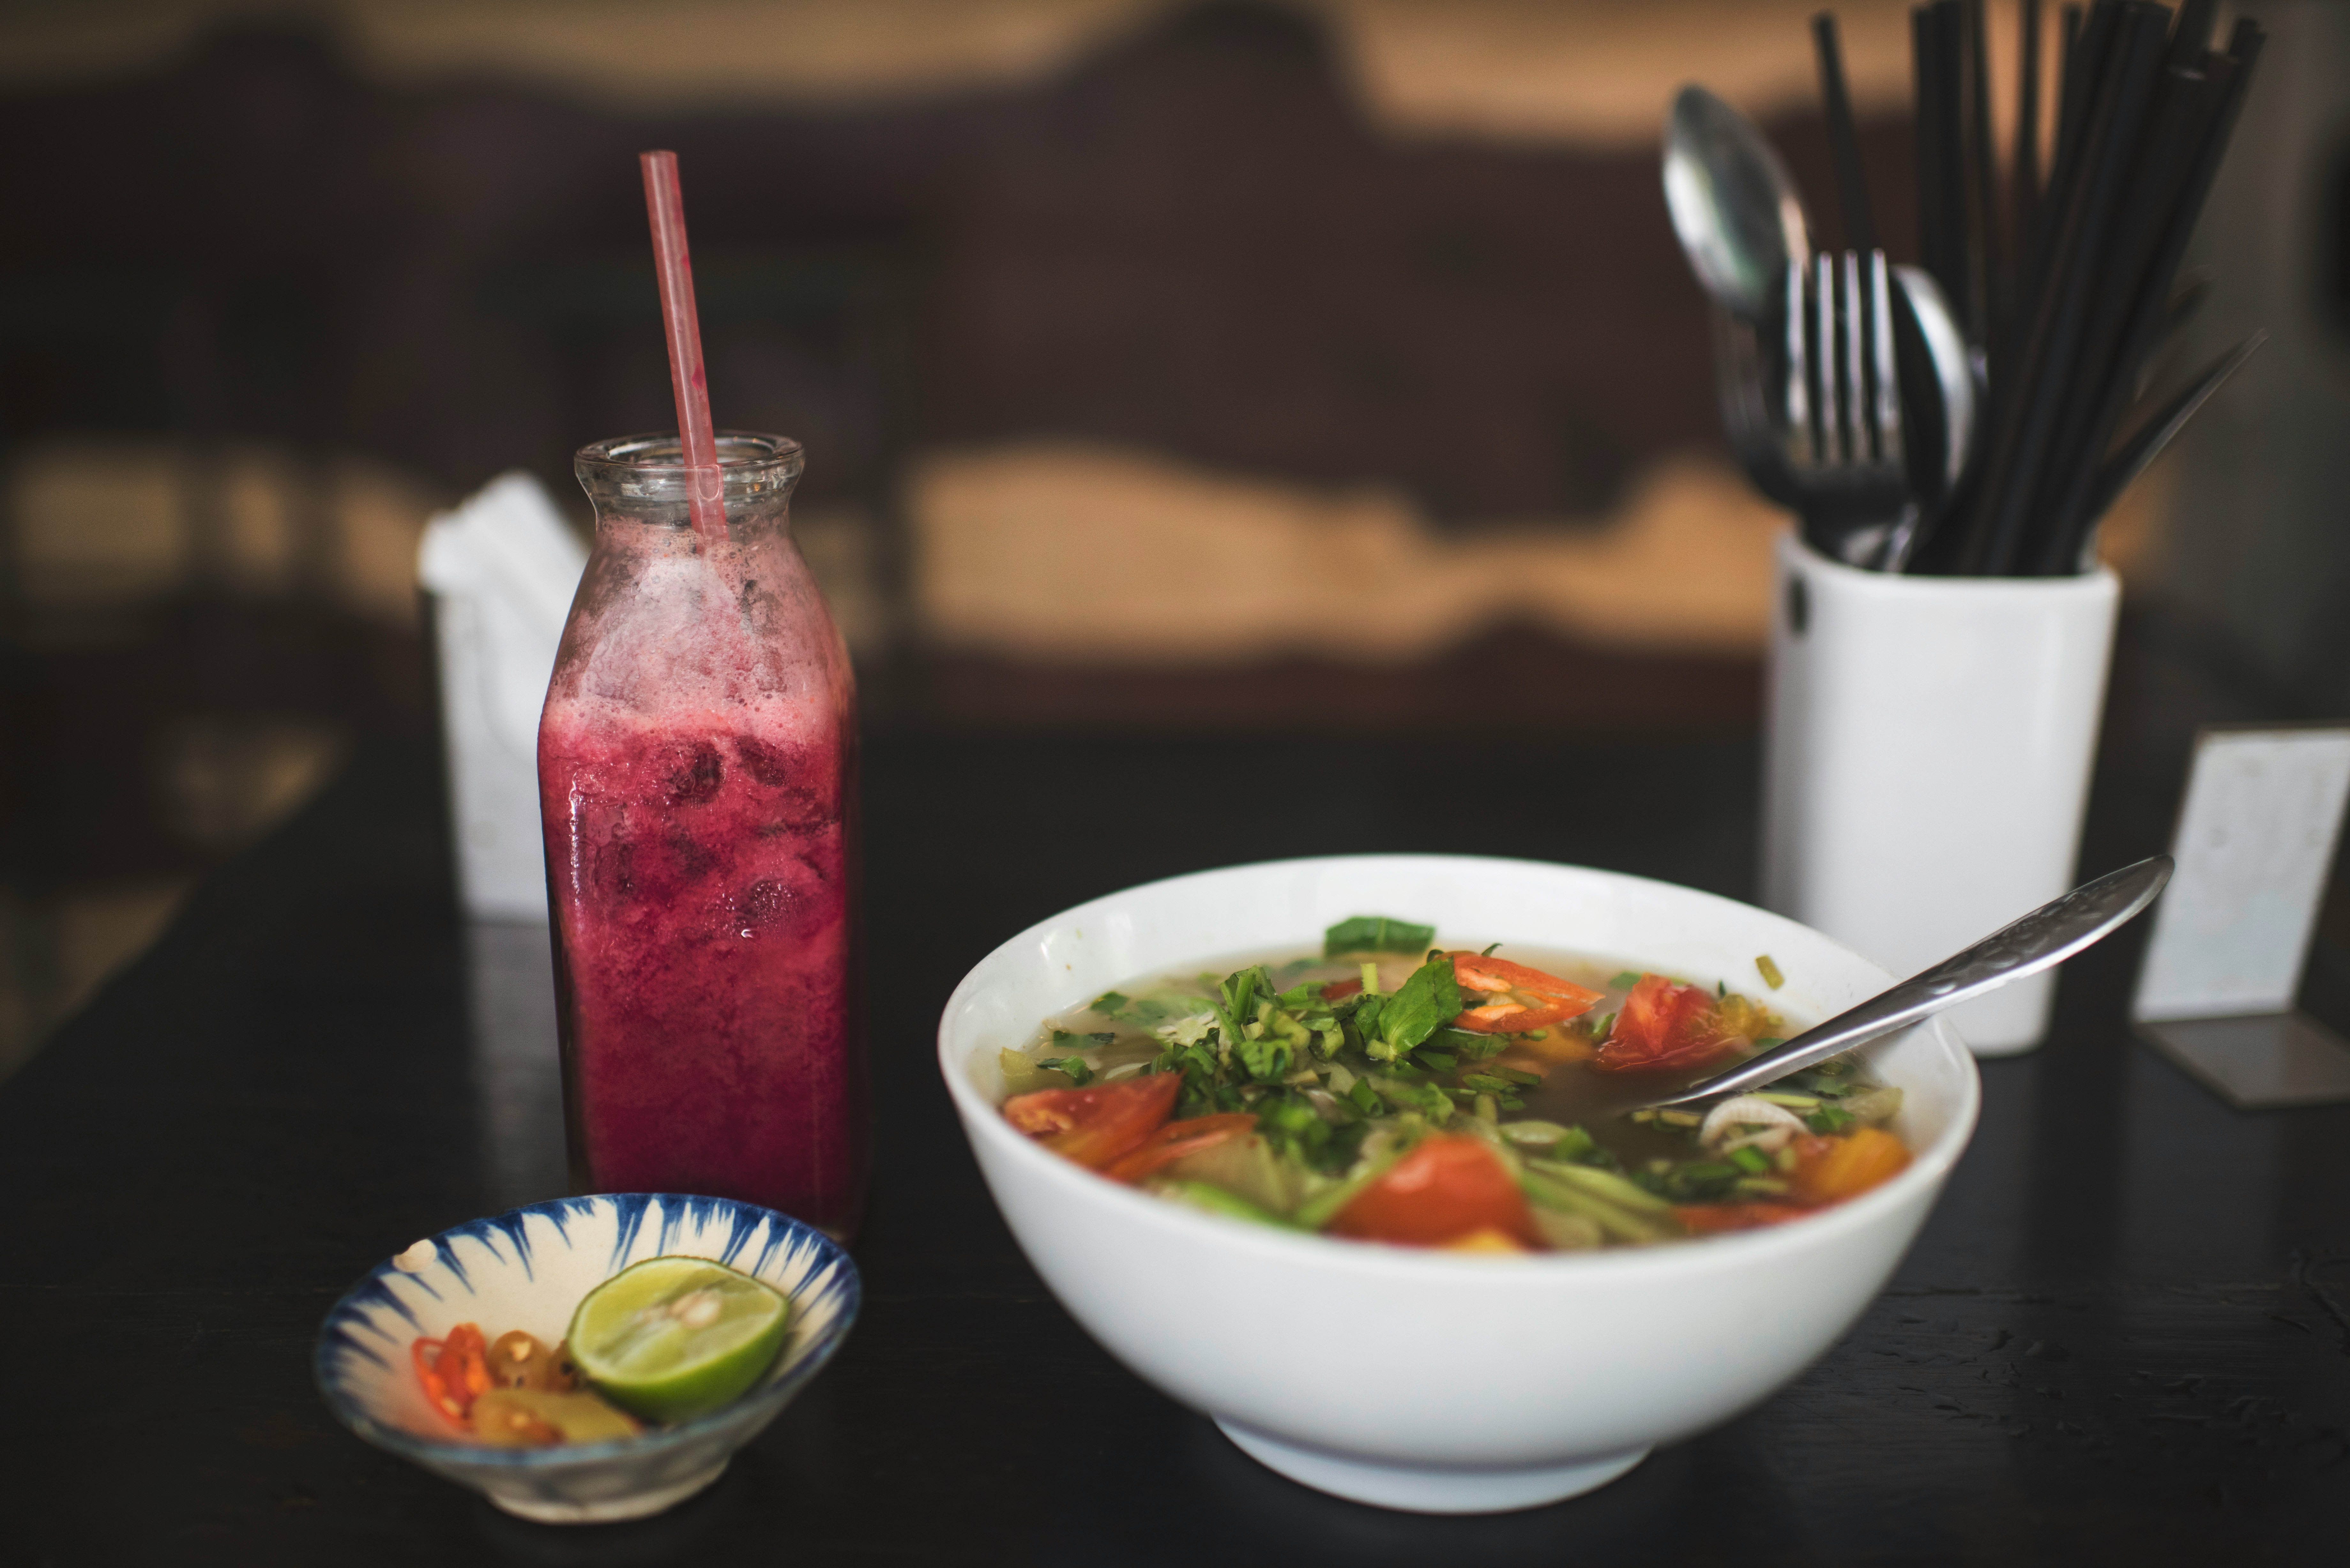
(527, 1269)
(1429, 1381)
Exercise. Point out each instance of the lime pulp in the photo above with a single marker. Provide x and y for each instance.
(672, 1338)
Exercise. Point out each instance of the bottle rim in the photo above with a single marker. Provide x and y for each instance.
(744, 456)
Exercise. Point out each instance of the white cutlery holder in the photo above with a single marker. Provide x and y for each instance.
(1928, 743)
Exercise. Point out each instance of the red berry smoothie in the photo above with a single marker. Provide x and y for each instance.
(700, 869)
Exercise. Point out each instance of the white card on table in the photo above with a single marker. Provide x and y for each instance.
(2255, 838)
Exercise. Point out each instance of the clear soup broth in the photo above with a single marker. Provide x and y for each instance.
(1390, 1089)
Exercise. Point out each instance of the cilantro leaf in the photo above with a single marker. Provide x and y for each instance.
(1074, 1067)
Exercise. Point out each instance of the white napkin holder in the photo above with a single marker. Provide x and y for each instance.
(501, 569)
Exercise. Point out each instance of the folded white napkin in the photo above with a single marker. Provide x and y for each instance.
(501, 569)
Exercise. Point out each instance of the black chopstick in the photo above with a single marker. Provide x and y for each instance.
(2190, 38)
(1939, 34)
(2154, 432)
(2023, 191)
(2184, 113)
(2024, 429)
(2076, 513)
(1844, 137)
(1986, 258)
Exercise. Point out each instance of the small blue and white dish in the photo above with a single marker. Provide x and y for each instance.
(528, 1269)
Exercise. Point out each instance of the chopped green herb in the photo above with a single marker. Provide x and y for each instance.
(1518, 1075)
(1769, 972)
(1628, 977)
(1829, 1120)
(1439, 1061)
(1489, 1083)
(1365, 1098)
(1109, 1002)
(1074, 1067)
(1429, 998)
(1376, 934)
(1719, 990)
(1063, 1040)
(1750, 1159)
(1488, 949)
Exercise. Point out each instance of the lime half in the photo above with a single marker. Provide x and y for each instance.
(671, 1338)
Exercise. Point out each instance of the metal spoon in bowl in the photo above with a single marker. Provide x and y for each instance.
(2049, 935)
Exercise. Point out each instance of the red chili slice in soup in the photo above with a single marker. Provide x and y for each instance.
(1176, 1139)
(1094, 1126)
(1446, 1188)
(1662, 1026)
(1519, 998)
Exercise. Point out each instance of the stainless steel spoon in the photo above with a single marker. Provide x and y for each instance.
(1733, 205)
(2049, 935)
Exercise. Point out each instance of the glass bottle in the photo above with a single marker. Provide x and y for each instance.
(698, 785)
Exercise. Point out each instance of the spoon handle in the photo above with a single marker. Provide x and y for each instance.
(2049, 935)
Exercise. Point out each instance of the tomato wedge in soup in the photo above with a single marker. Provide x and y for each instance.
(1446, 1188)
(1171, 1142)
(1663, 1026)
(1094, 1126)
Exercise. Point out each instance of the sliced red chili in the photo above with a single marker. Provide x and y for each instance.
(1518, 998)
(454, 1371)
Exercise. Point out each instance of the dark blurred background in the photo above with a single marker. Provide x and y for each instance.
(1076, 305)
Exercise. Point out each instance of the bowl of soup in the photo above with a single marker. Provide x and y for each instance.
(1346, 1154)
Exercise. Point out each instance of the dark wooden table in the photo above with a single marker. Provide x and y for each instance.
(2125, 1335)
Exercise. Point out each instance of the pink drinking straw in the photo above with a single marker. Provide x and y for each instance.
(665, 204)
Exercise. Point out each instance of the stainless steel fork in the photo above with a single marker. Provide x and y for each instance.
(1842, 425)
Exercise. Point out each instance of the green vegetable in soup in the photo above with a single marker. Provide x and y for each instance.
(1376, 934)
(1419, 1006)
(1335, 1090)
